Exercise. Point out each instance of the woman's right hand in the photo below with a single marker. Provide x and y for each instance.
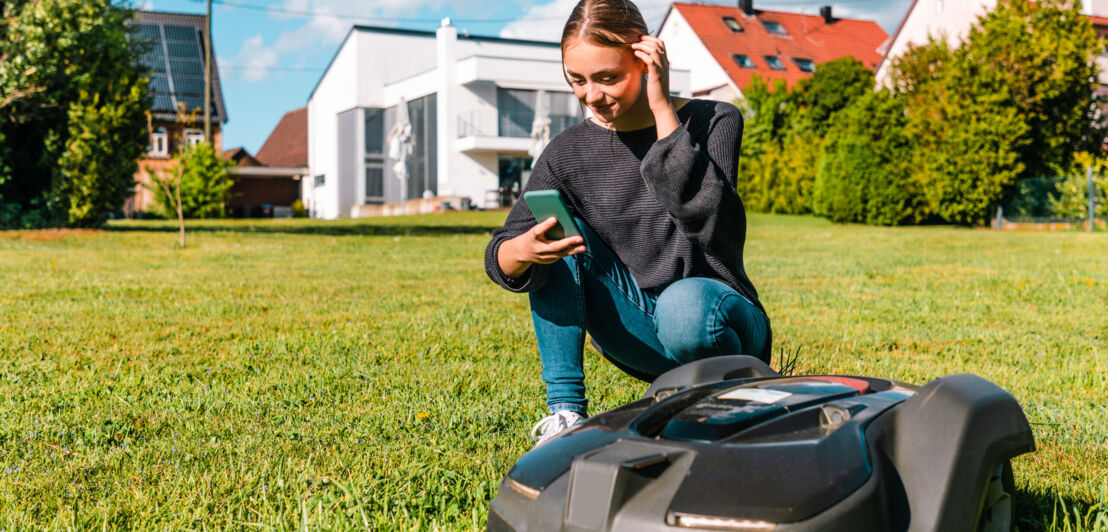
(517, 254)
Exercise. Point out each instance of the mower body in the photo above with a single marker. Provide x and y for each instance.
(728, 444)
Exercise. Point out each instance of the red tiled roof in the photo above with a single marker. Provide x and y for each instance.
(287, 145)
(241, 157)
(809, 37)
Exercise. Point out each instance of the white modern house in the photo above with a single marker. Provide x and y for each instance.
(953, 19)
(471, 102)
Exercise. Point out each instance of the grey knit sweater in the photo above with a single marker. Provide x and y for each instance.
(668, 208)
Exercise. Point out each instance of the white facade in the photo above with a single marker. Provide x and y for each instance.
(953, 19)
(481, 88)
(687, 52)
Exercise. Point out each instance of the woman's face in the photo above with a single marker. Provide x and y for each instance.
(606, 79)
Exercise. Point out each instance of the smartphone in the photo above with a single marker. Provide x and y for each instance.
(547, 203)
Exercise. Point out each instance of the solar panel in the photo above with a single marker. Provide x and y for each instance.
(175, 57)
(188, 84)
(193, 102)
(149, 32)
(184, 50)
(180, 33)
(163, 103)
(185, 67)
(159, 84)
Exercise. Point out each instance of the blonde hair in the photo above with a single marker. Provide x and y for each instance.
(605, 23)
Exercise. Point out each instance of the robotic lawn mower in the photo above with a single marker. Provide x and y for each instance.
(729, 444)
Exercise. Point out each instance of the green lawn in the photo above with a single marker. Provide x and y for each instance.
(366, 373)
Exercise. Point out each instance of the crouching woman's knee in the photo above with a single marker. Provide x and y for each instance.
(690, 322)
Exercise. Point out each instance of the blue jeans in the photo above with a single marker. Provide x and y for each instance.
(643, 332)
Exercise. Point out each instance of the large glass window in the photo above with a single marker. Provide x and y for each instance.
(565, 111)
(374, 182)
(422, 164)
(374, 155)
(516, 110)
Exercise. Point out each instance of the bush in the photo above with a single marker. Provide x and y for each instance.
(73, 95)
(784, 130)
(205, 184)
(93, 180)
(1071, 198)
(298, 209)
(863, 173)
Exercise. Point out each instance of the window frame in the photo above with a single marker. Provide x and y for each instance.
(727, 22)
(193, 136)
(159, 134)
(771, 59)
(811, 68)
(766, 24)
(750, 60)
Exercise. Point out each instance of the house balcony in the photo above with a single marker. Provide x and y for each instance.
(511, 72)
(488, 130)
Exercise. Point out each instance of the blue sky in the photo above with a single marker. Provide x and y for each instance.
(272, 52)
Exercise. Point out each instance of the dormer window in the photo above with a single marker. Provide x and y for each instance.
(805, 65)
(743, 61)
(774, 27)
(733, 24)
(774, 62)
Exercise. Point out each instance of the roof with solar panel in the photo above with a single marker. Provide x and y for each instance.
(175, 56)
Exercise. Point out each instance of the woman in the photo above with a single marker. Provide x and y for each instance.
(657, 279)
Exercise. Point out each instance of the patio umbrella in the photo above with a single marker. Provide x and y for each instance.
(540, 129)
(400, 147)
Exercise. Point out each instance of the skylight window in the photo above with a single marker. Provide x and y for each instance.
(805, 65)
(774, 27)
(774, 62)
(733, 24)
(743, 61)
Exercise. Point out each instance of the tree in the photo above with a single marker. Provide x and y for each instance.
(1014, 100)
(199, 184)
(1042, 56)
(72, 95)
(784, 130)
(864, 174)
(205, 183)
(834, 86)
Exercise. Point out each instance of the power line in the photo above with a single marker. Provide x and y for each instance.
(361, 17)
(277, 68)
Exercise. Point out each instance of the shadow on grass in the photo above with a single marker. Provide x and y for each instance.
(1036, 511)
(316, 229)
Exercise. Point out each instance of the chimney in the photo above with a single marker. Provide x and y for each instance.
(747, 6)
(825, 12)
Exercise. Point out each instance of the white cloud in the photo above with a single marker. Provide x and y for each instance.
(332, 19)
(147, 5)
(540, 22)
(545, 22)
(254, 59)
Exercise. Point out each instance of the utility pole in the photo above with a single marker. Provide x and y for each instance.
(208, 77)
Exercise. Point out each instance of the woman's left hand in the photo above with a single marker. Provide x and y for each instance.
(652, 51)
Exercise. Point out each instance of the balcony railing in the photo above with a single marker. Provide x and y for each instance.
(489, 123)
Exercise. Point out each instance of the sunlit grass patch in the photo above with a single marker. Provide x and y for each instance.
(365, 373)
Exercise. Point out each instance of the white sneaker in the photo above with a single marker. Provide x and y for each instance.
(554, 424)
